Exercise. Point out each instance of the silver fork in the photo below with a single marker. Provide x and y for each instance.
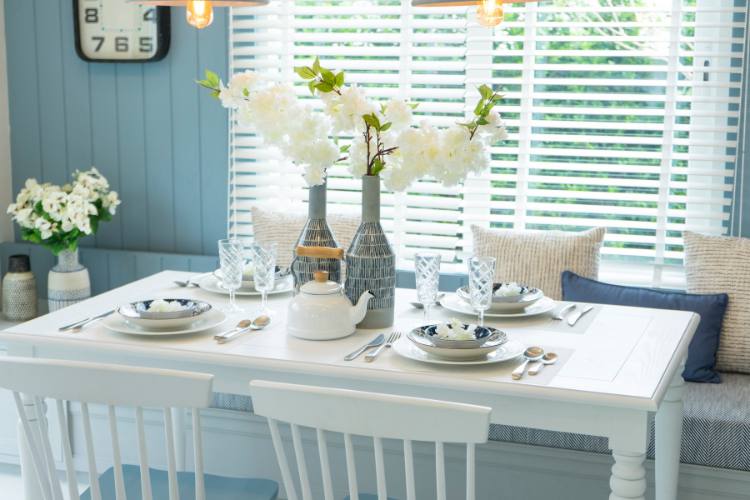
(393, 337)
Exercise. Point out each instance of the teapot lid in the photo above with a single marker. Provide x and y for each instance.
(321, 285)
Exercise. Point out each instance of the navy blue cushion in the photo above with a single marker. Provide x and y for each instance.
(701, 361)
(217, 487)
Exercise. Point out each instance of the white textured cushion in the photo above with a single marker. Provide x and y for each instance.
(721, 264)
(537, 258)
(271, 226)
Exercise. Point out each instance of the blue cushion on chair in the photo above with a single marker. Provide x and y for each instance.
(701, 361)
(217, 487)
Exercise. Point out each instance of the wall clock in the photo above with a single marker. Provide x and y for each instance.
(119, 31)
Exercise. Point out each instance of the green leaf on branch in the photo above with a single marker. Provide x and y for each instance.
(304, 72)
(327, 76)
(340, 79)
(377, 166)
(324, 86)
(372, 121)
(479, 108)
(385, 127)
(345, 148)
(413, 105)
(316, 66)
(311, 86)
(482, 121)
(486, 92)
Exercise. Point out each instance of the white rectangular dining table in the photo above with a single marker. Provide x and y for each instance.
(626, 364)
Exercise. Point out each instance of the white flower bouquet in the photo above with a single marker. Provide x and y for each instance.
(58, 216)
(385, 139)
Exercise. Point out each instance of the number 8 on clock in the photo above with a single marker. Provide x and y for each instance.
(119, 31)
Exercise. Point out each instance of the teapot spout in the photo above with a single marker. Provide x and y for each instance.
(359, 311)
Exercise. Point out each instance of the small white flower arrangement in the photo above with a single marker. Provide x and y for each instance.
(386, 140)
(58, 216)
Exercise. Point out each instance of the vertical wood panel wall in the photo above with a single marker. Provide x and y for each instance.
(158, 138)
(6, 232)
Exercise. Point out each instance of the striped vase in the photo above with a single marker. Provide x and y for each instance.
(316, 233)
(68, 282)
(370, 261)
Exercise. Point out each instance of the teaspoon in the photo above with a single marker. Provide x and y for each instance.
(531, 354)
(548, 359)
(244, 326)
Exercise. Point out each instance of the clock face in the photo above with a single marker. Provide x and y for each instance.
(116, 30)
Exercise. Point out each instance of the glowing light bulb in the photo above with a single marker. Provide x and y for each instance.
(199, 13)
(490, 12)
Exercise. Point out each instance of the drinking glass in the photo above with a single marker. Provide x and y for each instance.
(427, 272)
(232, 261)
(481, 279)
(264, 264)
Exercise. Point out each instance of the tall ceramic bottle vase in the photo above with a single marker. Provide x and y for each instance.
(68, 282)
(370, 261)
(315, 233)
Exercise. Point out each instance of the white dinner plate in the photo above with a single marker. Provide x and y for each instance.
(453, 302)
(211, 283)
(509, 350)
(211, 319)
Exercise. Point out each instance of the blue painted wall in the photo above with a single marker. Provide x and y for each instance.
(158, 138)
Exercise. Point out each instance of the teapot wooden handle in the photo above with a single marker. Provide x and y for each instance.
(321, 252)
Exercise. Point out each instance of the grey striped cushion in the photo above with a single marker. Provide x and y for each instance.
(716, 430)
(720, 264)
(537, 258)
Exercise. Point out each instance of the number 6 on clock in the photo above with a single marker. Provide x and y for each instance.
(119, 31)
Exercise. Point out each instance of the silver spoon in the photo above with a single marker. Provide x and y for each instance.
(244, 326)
(531, 354)
(548, 359)
(419, 305)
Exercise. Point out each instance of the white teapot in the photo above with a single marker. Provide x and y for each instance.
(321, 311)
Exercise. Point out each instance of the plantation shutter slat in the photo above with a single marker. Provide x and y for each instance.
(624, 116)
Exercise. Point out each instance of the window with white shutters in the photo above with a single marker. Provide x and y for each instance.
(621, 113)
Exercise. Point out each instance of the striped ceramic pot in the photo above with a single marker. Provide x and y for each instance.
(316, 233)
(370, 261)
(68, 282)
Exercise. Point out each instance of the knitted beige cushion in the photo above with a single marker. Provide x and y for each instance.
(537, 258)
(270, 226)
(721, 264)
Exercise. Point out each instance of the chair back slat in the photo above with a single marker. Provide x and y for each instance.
(351, 467)
(96, 493)
(380, 416)
(470, 471)
(32, 381)
(278, 446)
(380, 468)
(143, 455)
(174, 493)
(32, 440)
(325, 465)
(55, 487)
(440, 470)
(299, 452)
(116, 456)
(409, 470)
(70, 471)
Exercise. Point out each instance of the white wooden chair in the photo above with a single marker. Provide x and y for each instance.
(118, 386)
(380, 416)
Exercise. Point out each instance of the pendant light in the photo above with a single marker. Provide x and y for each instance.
(489, 12)
(200, 13)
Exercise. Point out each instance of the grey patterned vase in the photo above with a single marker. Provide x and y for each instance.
(370, 261)
(315, 233)
(68, 282)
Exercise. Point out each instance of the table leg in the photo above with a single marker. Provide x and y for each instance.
(669, 439)
(628, 480)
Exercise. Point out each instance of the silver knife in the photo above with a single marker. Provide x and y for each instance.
(84, 322)
(574, 317)
(373, 343)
